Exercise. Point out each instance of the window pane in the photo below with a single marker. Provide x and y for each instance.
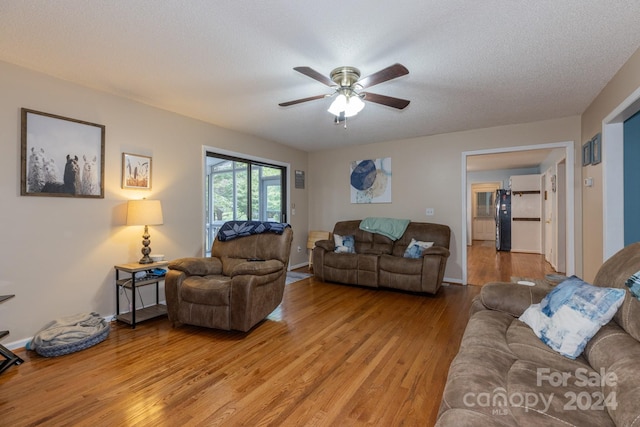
(484, 204)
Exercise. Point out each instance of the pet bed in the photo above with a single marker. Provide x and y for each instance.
(69, 334)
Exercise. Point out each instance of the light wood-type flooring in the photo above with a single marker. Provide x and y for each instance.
(330, 355)
(485, 264)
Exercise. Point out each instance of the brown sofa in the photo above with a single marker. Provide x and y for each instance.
(227, 291)
(503, 375)
(378, 261)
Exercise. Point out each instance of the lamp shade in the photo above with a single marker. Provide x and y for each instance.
(144, 212)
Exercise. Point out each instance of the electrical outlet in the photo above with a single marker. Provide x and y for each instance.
(430, 212)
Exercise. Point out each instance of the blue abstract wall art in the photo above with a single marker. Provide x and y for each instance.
(371, 180)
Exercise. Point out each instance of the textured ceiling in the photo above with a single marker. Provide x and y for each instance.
(472, 64)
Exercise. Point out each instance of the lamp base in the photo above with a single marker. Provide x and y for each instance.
(145, 260)
(146, 250)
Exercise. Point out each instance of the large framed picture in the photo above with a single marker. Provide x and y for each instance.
(136, 171)
(61, 157)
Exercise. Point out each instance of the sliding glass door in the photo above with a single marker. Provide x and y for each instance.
(240, 189)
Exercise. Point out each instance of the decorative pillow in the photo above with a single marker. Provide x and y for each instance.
(633, 283)
(416, 248)
(345, 244)
(571, 314)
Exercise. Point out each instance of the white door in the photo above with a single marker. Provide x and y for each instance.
(483, 200)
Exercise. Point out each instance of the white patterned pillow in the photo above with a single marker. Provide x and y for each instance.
(571, 314)
(416, 248)
(344, 244)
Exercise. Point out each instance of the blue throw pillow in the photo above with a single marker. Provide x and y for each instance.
(416, 248)
(633, 283)
(345, 244)
(571, 314)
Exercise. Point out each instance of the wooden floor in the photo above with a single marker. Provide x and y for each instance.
(485, 264)
(330, 355)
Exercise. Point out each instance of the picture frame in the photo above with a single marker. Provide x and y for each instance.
(136, 171)
(596, 149)
(60, 156)
(586, 153)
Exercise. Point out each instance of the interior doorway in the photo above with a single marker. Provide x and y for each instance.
(568, 200)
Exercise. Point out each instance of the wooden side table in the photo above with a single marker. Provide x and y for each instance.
(313, 237)
(9, 357)
(139, 314)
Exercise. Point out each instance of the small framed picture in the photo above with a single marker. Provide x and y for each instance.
(596, 149)
(136, 171)
(61, 157)
(586, 153)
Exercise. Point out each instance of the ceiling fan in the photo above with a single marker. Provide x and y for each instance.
(348, 88)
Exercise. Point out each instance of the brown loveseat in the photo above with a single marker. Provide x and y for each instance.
(378, 261)
(227, 291)
(503, 375)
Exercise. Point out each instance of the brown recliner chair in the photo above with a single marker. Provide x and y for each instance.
(227, 291)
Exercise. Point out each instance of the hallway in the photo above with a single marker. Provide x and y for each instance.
(485, 264)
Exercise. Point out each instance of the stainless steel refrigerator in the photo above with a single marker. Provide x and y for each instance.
(503, 220)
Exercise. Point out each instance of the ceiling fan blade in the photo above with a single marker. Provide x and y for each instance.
(389, 73)
(298, 101)
(389, 101)
(310, 72)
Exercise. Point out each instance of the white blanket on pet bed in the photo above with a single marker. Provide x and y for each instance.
(67, 330)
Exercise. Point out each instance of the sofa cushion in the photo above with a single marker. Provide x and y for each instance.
(542, 396)
(482, 364)
(439, 234)
(571, 314)
(525, 345)
(207, 290)
(614, 355)
(200, 266)
(511, 298)
(614, 273)
(416, 248)
(394, 264)
(344, 244)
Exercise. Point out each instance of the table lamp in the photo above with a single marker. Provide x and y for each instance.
(144, 212)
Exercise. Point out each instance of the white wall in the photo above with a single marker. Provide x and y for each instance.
(57, 254)
(426, 174)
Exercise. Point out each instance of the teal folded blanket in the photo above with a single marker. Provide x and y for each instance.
(390, 227)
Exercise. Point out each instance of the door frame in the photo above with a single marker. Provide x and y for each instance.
(612, 174)
(568, 147)
(203, 165)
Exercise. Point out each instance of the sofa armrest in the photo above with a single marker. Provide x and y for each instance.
(257, 268)
(327, 245)
(197, 266)
(511, 298)
(437, 250)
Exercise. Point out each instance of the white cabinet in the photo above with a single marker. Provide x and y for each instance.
(526, 212)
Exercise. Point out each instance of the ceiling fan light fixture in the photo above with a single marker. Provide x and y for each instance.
(354, 106)
(338, 105)
(347, 102)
